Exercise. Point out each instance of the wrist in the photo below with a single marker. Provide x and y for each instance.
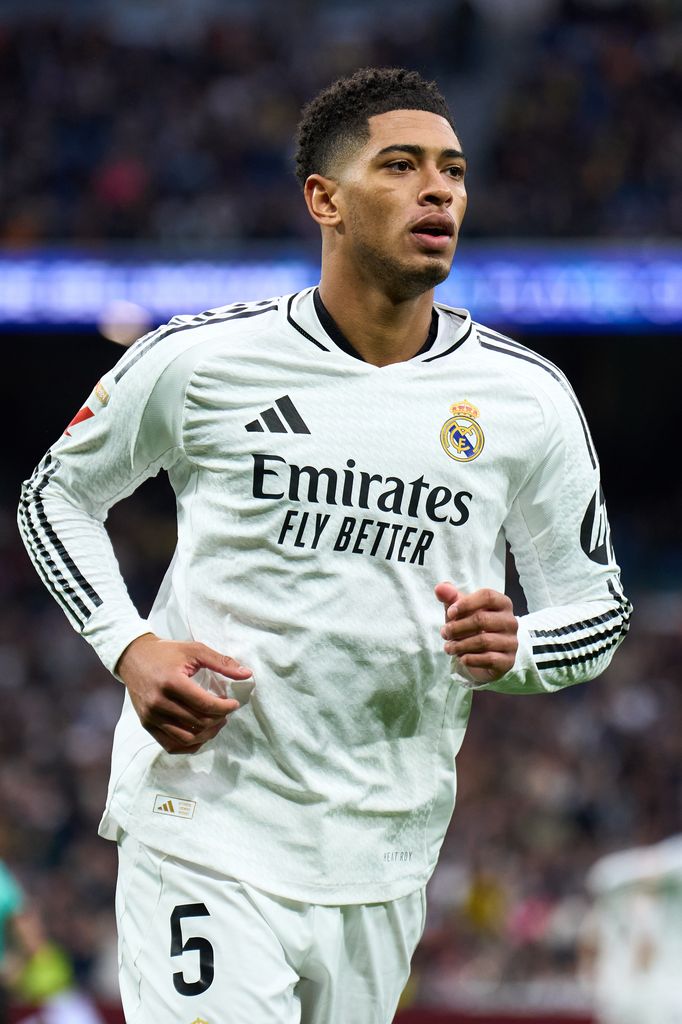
(130, 653)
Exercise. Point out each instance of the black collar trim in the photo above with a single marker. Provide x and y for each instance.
(453, 348)
(298, 326)
(339, 338)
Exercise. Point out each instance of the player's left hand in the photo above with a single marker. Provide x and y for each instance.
(480, 630)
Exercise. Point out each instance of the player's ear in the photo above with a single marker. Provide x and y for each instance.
(319, 195)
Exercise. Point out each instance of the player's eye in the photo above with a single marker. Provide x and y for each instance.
(456, 171)
(399, 165)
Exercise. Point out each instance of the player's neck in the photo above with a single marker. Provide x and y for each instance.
(380, 330)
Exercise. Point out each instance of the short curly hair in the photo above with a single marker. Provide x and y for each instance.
(335, 121)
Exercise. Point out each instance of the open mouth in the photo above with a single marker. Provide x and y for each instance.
(434, 235)
(434, 231)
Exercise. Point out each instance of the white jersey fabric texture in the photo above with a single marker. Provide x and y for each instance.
(319, 500)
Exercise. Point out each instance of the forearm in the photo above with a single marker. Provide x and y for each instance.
(73, 555)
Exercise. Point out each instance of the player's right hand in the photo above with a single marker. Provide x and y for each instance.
(175, 709)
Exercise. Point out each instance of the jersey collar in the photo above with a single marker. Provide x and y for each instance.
(306, 312)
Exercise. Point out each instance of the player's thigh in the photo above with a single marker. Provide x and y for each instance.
(193, 946)
(380, 941)
(363, 961)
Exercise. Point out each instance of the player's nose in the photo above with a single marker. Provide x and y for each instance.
(434, 190)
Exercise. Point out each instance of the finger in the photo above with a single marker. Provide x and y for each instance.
(177, 715)
(171, 745)
(481, 621)
(179, 734)
(495, 665)
(206, 657)
(203, 734)
(184, 737)
(492, 600)
(448, 595)
(184, 692)
(482, 643)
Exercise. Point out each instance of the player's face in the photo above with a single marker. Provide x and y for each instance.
(402, 199)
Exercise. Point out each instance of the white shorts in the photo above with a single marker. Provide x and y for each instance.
(196, 947)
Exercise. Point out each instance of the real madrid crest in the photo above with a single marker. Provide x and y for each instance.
(461, 435)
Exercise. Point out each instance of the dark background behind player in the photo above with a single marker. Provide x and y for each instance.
(139, 126)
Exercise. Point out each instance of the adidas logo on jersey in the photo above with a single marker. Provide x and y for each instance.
(290, 420)
(174, 806)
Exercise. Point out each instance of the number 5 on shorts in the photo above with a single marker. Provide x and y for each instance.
(194, 943)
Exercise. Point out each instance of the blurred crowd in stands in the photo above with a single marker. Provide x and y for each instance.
(120, 128)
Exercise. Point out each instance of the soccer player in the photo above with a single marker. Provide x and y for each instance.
(283, 770)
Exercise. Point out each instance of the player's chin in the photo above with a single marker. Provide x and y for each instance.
(433, 268)
(414, 281)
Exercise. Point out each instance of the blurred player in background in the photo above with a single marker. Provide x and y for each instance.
(336, 454)
(34, 968)
(11, 905)
(631, 946)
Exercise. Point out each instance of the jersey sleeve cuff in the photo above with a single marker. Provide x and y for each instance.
(523, 677)
(110, 642)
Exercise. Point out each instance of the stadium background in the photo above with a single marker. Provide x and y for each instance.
(139, 138)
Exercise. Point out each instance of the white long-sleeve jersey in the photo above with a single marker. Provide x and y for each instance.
(319, 499)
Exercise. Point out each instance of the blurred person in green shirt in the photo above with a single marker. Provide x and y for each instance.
(34, 969)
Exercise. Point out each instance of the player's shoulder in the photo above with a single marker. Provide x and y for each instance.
(540, 377)
(235, 316)
(186, 335)
(513, 359)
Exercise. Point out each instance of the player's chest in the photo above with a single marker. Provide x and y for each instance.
(392, 443)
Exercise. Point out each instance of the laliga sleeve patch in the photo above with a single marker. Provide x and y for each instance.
(595, 533)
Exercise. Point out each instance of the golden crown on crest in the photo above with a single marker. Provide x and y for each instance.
(464, 409)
